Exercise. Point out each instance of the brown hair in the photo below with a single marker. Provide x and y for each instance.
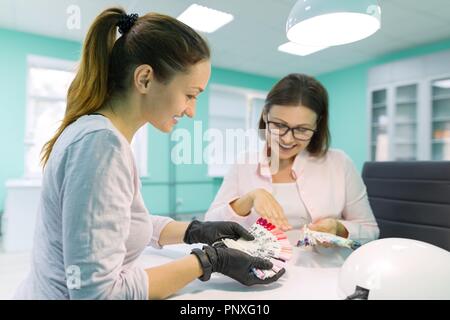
(298, 89)
(107, 65)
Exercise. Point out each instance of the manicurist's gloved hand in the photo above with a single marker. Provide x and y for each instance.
(233, 263)
(212, 231)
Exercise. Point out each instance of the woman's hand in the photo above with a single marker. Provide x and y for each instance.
(329, 225)
(268, 207)
(238, 265)
(211, 231)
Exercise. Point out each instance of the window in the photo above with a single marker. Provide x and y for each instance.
(48, 82)
(232, 108)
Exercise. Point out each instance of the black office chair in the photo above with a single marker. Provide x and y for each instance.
(411, 199)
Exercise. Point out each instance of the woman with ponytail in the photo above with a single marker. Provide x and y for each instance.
(92, 222)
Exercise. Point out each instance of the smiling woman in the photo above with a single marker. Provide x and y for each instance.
(310, 100)
(312, 184)
(92, 222)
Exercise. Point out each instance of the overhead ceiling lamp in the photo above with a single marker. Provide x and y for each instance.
(204, 19)
(298, 49)
(332, 22)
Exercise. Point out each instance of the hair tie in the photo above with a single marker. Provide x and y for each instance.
(126, 21)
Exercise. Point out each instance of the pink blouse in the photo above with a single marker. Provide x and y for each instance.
(330, 187)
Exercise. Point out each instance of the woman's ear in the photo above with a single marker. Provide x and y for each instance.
(143, 76)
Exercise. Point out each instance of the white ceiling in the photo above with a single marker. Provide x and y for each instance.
(249, 43)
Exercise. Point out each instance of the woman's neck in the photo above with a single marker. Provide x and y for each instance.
(284, 173)
(286, 163)
(124, 116)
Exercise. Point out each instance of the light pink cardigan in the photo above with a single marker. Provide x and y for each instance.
(330, 187)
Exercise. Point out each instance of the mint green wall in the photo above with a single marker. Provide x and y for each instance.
(348, 105)
(15, 46)
(347, 94)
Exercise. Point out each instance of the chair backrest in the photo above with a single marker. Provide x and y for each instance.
(411, 199)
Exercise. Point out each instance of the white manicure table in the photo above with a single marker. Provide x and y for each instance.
(312, 273)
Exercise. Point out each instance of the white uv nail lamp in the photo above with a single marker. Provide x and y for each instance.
(396, 269)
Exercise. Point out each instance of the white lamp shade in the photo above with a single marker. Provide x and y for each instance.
(332, 23)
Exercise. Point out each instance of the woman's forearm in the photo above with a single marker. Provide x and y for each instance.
(167, 279)
(173, 233)
(243, 205)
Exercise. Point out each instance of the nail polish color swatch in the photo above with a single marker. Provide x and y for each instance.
(270, 243)
(312, 238)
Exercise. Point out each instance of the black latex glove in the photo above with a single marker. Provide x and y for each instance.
(211, 231)
(238, 265)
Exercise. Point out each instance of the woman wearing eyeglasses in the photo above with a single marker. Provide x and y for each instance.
(310, 184)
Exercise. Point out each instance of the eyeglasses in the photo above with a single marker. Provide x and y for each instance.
(299, 133)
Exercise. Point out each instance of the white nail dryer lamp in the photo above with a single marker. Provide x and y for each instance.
(395, 268)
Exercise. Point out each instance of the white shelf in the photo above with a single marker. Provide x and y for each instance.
(379, 105)
(441, 97)
(439, 141)
(441, 119)
(405, 102)
(407, 122)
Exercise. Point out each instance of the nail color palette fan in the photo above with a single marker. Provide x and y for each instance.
(270, 243)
